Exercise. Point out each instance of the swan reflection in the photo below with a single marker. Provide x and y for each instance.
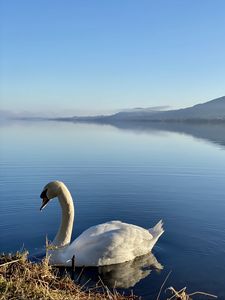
(127, 274)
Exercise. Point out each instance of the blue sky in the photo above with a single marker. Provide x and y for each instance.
(93, 56)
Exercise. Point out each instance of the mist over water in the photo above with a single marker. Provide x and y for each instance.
(137, 173)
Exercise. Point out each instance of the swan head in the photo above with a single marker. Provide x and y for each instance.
(51, 190)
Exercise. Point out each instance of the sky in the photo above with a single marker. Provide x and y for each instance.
(100, 56)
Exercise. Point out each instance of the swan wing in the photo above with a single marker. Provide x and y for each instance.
(110, 243)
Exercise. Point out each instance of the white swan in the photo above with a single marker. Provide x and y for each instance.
(105, 244)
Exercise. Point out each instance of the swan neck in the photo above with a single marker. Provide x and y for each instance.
(63, 236)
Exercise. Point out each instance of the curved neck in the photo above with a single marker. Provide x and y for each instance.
(64, 233)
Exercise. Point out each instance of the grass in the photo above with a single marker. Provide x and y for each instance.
(20, 279)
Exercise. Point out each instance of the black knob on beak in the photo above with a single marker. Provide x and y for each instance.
(44, 198)
(43, 194)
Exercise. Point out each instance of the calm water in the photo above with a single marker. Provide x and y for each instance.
(136, 174)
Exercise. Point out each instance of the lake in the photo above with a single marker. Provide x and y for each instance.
(136, 173)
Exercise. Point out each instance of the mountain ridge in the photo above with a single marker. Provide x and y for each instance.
(210, 111)
(213, 110)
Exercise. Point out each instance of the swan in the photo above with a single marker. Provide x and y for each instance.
(109, 243)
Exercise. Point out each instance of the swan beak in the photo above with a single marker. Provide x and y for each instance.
(44, 198)
(44, 203)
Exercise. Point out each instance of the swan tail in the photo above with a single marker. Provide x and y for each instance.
(157, 230)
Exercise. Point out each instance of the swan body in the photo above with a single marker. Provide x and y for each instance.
(109, 243)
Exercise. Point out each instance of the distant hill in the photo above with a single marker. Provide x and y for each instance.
(212, 110)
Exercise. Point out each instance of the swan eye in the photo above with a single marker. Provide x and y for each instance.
(44, 194)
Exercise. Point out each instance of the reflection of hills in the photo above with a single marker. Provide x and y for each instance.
(204, 121)
(213, 132)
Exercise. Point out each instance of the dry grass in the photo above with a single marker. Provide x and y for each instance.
(20, 279)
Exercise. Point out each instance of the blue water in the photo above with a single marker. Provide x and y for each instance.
(136, 175)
